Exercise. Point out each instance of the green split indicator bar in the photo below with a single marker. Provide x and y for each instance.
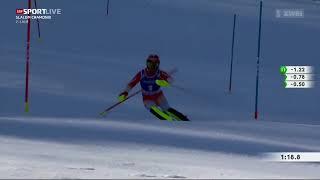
(283, 70)
(296, 70)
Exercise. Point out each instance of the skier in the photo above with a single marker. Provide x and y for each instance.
(151, 79)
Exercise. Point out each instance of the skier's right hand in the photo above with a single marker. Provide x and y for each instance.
(122, 96)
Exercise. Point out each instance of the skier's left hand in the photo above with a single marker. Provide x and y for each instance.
(162, 83)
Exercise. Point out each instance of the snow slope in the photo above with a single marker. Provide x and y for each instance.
(85, 58)
(73, 148)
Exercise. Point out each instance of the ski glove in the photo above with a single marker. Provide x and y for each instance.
(123, 96)
(162, 83)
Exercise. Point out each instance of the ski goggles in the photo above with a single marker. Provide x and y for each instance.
(152, 65)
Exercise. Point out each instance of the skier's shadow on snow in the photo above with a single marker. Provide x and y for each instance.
(75, 134)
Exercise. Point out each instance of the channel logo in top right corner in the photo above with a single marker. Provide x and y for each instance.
(289, 13)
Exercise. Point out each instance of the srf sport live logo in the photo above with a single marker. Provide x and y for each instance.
(38, 11)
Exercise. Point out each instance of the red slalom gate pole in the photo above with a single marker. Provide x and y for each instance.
(28, 61)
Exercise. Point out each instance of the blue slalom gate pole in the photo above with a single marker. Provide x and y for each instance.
(39, 35)
(258, 65)
(232, 48)
(108, 2)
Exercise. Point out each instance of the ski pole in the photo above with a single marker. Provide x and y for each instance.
(185, 90)
(179, 87)
(103, 113)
